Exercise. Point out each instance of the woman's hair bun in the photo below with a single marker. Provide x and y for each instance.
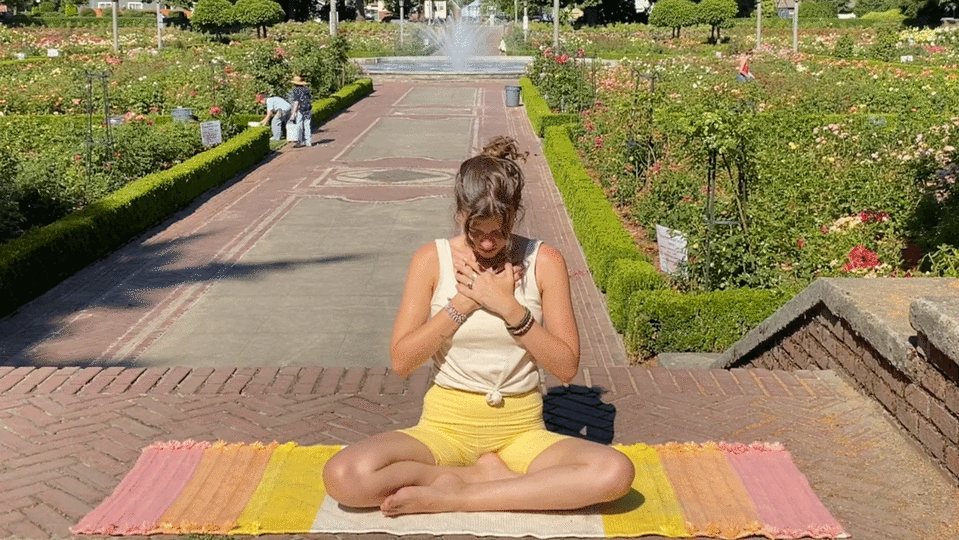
(504, 148)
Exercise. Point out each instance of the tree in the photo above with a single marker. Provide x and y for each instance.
(212, 16)
(717, 14)
(673, 14)
(258, 13)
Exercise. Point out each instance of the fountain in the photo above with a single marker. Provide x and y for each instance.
(457, 43)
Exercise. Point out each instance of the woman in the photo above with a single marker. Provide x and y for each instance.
(490, 308)
(302, 101)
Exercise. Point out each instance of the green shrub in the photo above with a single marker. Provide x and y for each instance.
(668, 321)
(627, 277)
(85, 11)
(892, 16)
(563, 82)
(817, 9)
(70, 10)
(885, 48)
(10, 217)
(845, 46)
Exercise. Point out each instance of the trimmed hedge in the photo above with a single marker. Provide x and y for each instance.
(668, 321)
(652, 318)
(627, 277)
(600, 233)
(44, 256)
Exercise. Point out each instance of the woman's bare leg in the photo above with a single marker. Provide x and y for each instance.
(364, 474)
(570, 474)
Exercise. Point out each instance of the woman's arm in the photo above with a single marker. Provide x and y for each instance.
(554, 344)
(416, 336)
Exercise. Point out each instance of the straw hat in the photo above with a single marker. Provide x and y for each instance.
(297, 80)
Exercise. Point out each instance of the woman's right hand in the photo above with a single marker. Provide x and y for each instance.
(466, 266)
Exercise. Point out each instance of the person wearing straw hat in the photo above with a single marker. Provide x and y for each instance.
(302, 101)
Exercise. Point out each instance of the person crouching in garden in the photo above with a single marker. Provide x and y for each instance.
(279, 110)
(489, 308)
(302, 100)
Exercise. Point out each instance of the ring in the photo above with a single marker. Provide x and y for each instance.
(474, 276)
(469, 285)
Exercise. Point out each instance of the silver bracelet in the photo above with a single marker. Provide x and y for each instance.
(458, 318)
(523, 326)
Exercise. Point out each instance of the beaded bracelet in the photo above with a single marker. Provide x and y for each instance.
(523, 326)
(455, 314)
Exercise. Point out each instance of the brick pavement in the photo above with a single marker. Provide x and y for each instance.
(80, 393)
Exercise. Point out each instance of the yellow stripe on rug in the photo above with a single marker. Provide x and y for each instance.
(290, 492)
(651, 506)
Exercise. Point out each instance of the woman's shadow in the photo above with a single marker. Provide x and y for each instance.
(578, 411)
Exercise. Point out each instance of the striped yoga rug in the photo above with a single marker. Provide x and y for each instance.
(716, 490)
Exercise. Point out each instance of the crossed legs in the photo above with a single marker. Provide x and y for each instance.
(397, 473)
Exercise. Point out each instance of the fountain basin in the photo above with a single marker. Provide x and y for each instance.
(440, 67)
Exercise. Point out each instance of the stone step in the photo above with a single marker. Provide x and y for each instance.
(688, 360)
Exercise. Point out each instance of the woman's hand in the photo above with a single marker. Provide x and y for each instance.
(492, 291)
(466, 266)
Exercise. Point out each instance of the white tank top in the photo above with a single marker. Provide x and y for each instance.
(482, 356)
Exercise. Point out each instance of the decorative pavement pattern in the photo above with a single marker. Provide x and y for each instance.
(262, 312)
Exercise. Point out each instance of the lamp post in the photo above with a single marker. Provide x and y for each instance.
(333, 18)
(401, 23)
(759, 23)
(556, 25)
(796, 27)
(525, 24)
(116, 39)
(159, 27)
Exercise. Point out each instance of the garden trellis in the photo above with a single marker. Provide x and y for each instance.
(105, 141)
(641, 151)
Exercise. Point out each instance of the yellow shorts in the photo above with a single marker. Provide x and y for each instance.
(459, 426)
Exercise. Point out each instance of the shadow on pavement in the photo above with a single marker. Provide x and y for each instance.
(130, 283)
(578, 411)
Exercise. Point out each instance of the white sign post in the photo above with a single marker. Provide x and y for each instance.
(210, 133)
(672, 249)
(159, 27)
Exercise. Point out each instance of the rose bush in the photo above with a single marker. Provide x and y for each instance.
(841, 177)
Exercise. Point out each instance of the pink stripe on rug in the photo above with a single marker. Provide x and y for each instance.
(784, 500)
(137, 504)
(713, 500)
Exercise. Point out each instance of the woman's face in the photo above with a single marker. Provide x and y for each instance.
(487, 237)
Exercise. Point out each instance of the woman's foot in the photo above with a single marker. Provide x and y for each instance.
(443, 495)
(488, 468)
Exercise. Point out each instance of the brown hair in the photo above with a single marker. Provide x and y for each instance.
(490, 185)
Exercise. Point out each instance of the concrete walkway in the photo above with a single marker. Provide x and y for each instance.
(263, 312)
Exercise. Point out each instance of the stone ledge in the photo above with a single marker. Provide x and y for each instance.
(938, 319)
(876, 309)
